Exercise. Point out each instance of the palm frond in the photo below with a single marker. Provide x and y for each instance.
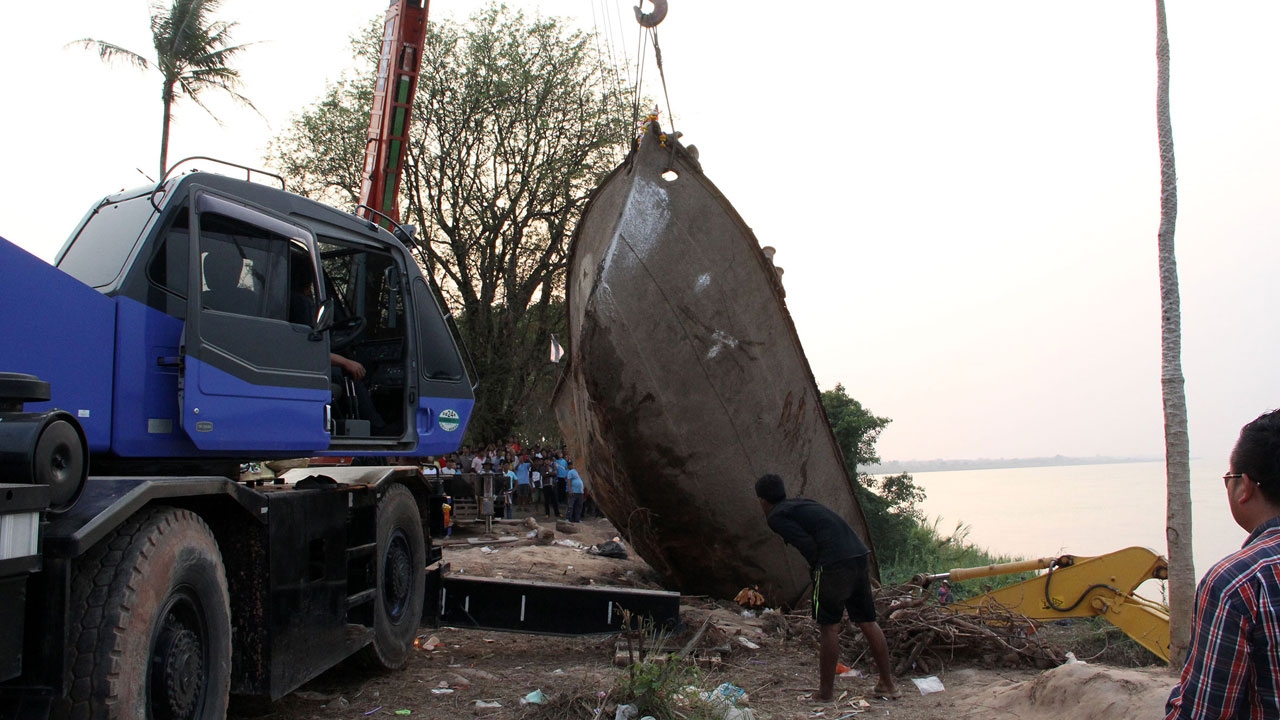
(108, 52)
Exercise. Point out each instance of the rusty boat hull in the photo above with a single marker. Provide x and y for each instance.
(686, 381)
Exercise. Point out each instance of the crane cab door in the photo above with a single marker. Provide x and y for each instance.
(255, 374)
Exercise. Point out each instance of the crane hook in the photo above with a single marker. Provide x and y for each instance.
(652, 19)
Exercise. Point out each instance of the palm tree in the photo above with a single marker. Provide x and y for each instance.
(1176, 445)
(193, 54)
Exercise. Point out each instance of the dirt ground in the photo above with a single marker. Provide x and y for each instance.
(471, 673)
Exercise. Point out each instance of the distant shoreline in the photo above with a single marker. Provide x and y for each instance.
(894, 467)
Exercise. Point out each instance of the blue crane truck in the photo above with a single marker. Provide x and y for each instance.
(184, 329)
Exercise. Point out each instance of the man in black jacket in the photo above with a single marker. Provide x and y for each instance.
(841, 580)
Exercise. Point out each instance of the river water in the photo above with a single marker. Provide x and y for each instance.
(1079, 509)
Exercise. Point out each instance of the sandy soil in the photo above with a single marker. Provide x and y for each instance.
(577, 675)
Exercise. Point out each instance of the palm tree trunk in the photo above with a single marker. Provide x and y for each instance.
(167, 98)
(1176, 444)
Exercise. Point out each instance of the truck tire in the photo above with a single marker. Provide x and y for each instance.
(153, 638)
(401, 577)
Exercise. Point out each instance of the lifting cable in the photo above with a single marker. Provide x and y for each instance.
(657, 55)
(648, 26)
(648, 23)
(603, 24)
(635, 103)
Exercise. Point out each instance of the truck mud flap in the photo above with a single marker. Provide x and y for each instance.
(544, 608)
(20, 509)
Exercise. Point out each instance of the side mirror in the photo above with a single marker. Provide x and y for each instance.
(323, 319)
(407, 235)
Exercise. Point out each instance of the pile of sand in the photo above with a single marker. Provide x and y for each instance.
(1077, 691)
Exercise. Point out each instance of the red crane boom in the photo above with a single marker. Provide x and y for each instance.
(402, 40)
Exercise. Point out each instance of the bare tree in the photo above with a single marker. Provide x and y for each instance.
(193, 54)
(1177, 452)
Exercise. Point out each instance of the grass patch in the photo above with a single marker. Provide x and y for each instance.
(925, 549)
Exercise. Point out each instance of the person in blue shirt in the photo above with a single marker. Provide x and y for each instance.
(509, 479)
(523, 488)
(576, 492)
(562, 474)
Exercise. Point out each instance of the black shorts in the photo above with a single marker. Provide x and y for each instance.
(840, 586)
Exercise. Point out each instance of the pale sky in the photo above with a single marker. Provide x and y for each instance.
(964, 195)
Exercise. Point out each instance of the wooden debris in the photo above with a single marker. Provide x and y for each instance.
(925, 637)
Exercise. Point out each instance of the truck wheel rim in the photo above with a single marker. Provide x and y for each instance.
(177, 676)
(397, 576)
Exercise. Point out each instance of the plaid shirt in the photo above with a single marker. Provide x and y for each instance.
(1233, 665)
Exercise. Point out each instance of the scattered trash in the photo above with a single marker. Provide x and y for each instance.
(728, 702)
(487, 704)
(1073, 660)
(569, 543)
(850, 673)
(487, 550)
(748, 613)
(841, 668)
(732, 693)
(534, 698)
(928, 685)
(441, 691)
(611, 548)
(531, 534)
(374, 710)
(747, 643)
(626, 712)
(404, 711)
(423, 642)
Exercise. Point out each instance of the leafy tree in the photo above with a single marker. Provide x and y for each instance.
(1176, 444)
(521, 120)
(322, 151)
(890, 504)
(193, 53)
(855, 428)
(516, 120)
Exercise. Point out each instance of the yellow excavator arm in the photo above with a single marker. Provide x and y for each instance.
(1101, 586)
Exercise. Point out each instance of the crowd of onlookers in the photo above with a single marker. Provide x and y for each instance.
(525, 476)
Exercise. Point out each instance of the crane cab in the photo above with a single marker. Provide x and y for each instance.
(245, 321)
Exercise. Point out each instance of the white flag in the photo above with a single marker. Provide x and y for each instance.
(557, 352)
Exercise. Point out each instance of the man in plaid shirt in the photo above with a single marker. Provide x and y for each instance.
(1233, 667)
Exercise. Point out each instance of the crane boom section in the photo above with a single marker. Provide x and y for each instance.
(397, 82)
